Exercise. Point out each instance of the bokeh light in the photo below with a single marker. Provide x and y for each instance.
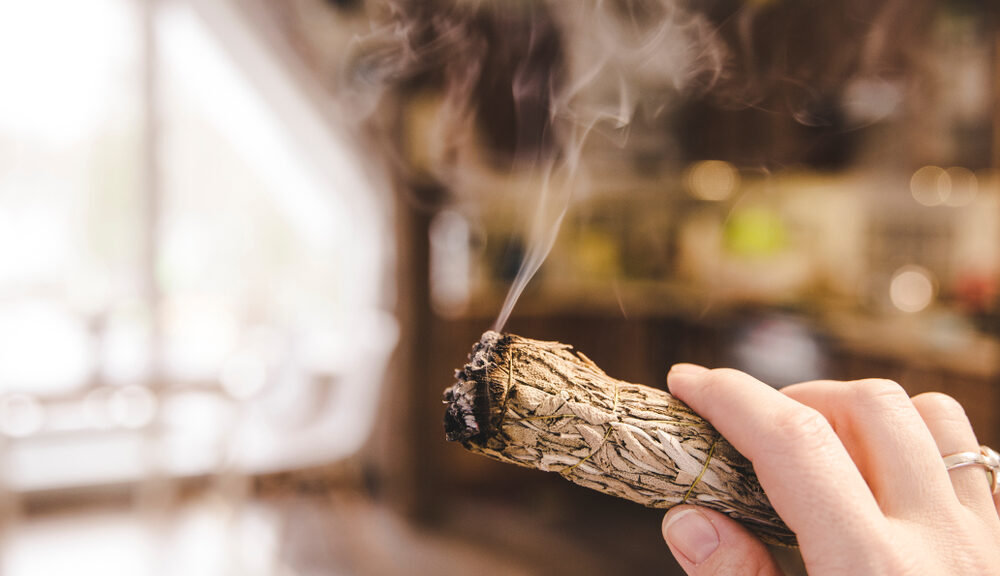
(936, 186)
(930, 185)
(243, 375)
(912, 289)
(712, 180)
(21, 415)
(963, 186)
(132, 406)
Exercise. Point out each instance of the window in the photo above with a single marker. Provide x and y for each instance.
(192, 261)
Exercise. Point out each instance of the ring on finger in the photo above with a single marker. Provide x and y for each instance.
(987, 457)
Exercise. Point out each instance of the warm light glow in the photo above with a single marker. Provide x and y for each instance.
(451, 277)
(712, 180)
(930, 185)
(934, 186)
(870, 99)
(963, 186)
(911, 289)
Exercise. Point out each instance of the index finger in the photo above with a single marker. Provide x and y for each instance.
(803, 467)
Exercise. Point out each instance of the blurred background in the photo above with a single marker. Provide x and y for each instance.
(245, 244)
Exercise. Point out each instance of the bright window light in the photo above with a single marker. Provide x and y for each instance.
(220, 336)
(62, 62)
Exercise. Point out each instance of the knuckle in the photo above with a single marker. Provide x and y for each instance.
(879, 390)
(941, 412)
(804, 427)
(940, 403)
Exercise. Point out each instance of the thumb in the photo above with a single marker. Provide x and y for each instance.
(706, 542)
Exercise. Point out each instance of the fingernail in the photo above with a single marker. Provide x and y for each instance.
(692, 534)
(684, 368)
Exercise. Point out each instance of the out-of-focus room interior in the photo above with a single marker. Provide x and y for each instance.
(244, 246)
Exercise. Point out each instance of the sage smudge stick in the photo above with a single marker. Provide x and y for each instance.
(544, 405)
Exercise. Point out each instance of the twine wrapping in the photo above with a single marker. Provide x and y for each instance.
(543, 405)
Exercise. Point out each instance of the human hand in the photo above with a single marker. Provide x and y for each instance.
(853, 468)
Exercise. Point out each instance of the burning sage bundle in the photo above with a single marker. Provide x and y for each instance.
(543, 405)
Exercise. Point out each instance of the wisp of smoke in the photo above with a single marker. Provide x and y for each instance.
(615, 53)
(533, 81)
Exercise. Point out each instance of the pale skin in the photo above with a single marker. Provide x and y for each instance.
(854, 469)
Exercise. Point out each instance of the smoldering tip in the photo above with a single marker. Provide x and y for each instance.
(467, 399)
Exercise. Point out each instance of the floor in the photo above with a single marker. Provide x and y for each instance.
(329, 534)
(210, 536)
